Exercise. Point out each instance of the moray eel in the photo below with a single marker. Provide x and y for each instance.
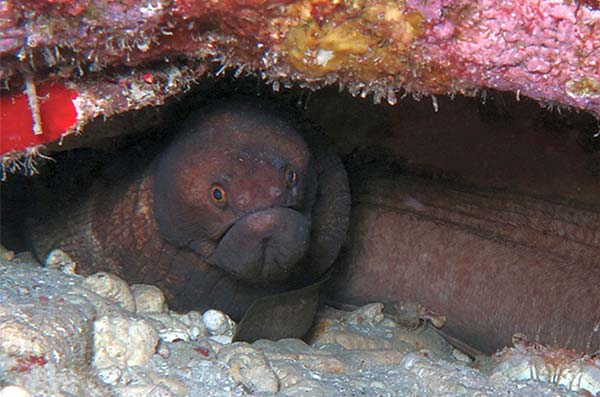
(244, 204)
(495, 263)
(241, 205)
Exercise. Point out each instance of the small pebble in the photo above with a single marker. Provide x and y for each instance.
(460, 356)
(121, 341)
(218, 323)
(14, 391)
(371, 314)
(163, 350)
(148, 299)
(112, 288)
(6, 254)
(249, 366)
(59, 260)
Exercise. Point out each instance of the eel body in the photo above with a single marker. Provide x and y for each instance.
(242, 206)
(239, 206)
(494, 263)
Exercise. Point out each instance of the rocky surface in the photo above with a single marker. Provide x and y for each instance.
(60, 338)
(108, 57)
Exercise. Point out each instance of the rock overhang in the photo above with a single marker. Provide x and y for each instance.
(68, 62)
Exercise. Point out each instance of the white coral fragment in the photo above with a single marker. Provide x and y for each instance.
(249, 366)
(148, 299)
(557, 366)
(112, 288)
(59, 260)
(14, 391)
(179, 327)
(220, 326)
(371, 314)
(123, 341)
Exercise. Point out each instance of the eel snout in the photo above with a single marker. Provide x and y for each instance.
(264, 246)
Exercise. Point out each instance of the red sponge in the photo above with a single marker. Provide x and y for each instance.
(57, 114)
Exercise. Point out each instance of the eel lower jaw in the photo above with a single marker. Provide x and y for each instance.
(264, 247)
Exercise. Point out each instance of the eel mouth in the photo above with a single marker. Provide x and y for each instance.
(263, 247)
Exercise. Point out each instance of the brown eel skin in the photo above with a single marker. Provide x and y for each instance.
(242, 206)
(239, 206)
(495, 263)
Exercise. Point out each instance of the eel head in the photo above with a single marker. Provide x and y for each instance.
(238, 188)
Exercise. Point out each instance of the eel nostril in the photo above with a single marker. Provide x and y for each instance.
(275, 192)
(243, 199)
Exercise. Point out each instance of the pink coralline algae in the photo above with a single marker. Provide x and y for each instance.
(548, 50)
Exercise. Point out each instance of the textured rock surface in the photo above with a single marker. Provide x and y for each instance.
(547, 50)
(123, 342)
(49, 351)
(249, 366)
(148, 299)
(112, 288)
(558, 366)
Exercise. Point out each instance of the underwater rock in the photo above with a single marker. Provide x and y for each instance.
(112, 288)
(547, 50)
(60, 260)
(526, 361)
(220, 326)
(178, 327)
(148, 299)
(250, 367)
(368, 329)
(122, 341)
(41, 323)
(191, 367)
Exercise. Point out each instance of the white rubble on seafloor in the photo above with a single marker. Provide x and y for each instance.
(52, 326)
(14, 391)
(148, 299)
(220, 326)
(558, 366)
(112, 288)
(249, 366)
(123, 341)
(60, 260)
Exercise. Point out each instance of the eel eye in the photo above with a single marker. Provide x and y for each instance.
(218, 195)
(291, 178)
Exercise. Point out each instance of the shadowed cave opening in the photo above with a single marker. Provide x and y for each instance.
(495, 148)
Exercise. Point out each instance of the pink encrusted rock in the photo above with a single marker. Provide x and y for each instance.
(548, 50)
